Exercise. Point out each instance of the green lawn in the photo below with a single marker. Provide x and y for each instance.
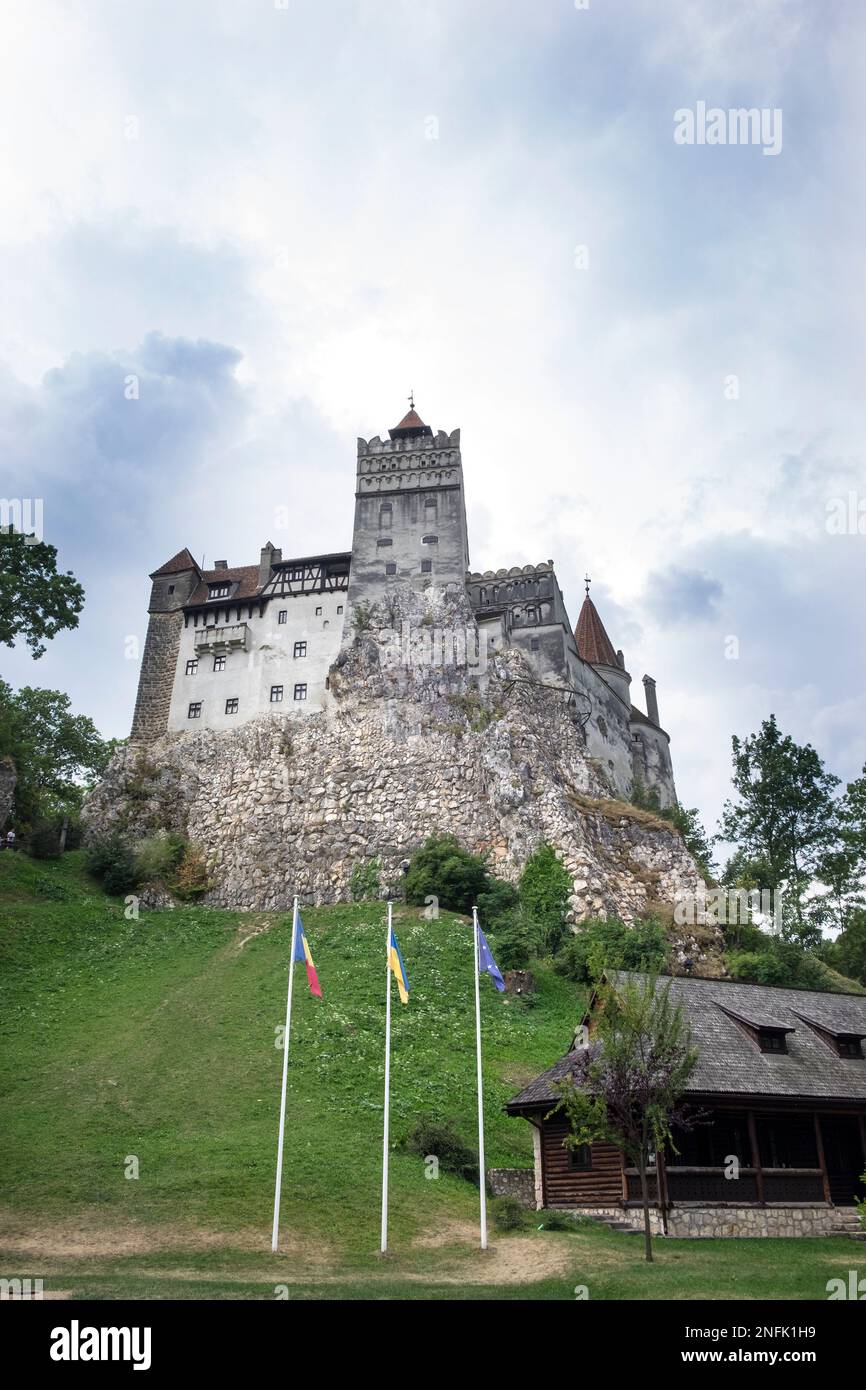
(155, 1038)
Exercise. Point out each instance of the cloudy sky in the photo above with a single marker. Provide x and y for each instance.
(281, 215)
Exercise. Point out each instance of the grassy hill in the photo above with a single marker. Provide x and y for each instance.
(155, 1038)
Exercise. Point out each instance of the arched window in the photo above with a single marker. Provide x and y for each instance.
(386, 513)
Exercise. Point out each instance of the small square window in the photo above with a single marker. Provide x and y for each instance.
(426, 566)
(219, 663)
(384, 541)
(283, 615)
(171, 588)
(300, 692)
(429, 540)
(326, 623)
(218, 590)
(300, 649)
(318, 612)
(391, 569)
(772, 1042)
(194, 711)
(192, 666)
(231, 706)
(339, 607)
(276, 694)
(581, 1157)
(534, 644)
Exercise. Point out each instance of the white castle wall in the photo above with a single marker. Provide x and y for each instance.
(268, 659)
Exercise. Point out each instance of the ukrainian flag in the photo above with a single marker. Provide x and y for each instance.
(398, 968)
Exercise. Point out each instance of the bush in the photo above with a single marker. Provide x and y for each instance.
(514, 941)
(545, 888)
(365, 881)
(444, 870)
(112, 860)
(431, 1135)
(496, 903)
(192, 879)
(507, 1214)
(605, 943)
(44, 841)
(157, 857)
(560, 1221)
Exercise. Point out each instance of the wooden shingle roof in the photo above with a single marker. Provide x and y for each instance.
(730, 1062)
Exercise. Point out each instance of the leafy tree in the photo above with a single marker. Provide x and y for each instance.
(544, 890)
(605, 943)
(782, 819)
(443, 869)
(626, 1086)
(849, 948)
(55, 752)
(36, 602)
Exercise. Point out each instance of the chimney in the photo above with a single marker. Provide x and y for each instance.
(220, 564)
(266, 561)
(620, 660)
(652, 704)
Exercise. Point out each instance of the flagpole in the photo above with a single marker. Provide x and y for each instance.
(276, 1230)
(482, 1182)
(384, 1241)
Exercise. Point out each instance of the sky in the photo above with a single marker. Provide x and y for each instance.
(281, 216)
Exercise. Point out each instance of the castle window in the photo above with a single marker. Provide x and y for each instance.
(194, 711)
(231, 706)
(326, 623)
(276, 694)
(192, 666)
(171, 588)
(339, 607)
(297, 572)
(426, 566)
(300, 692)
(300, 649)
(391, 569)
(384, 540)
(318, 612)
(219, 663)
(218, 590)
(430, 540)
(530, 615)
(283, 615)
(535, 644)
(385, 516)
(430, 507)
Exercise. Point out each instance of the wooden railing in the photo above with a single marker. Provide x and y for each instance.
(693, 1184)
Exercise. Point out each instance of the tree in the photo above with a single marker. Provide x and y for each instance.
(626, 1086)
(56, 753)
(36, 601)
(544, 890)
(782, 820)
(444, 870)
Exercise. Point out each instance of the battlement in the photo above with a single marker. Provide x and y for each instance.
(419, 461)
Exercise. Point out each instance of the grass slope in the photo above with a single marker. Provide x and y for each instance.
(156, 1038)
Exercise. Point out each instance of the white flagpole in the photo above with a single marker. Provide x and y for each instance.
(384, 1242)
(276, 1231)
(482, 1185)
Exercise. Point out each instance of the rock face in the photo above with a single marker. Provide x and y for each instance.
(8, 779)
(408, 747)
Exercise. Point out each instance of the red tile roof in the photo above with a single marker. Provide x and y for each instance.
(178, 563)
(410, 424)
(593, 643)
(247, 588)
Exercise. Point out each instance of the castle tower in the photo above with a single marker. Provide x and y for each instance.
(172, 586)
(410, 513)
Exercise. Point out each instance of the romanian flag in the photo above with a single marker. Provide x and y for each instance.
(302, 952)
(398, 968)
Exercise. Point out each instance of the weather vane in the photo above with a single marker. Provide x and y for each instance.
(587, 581)
(411, 400)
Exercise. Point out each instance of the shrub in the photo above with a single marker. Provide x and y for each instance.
(432, 1135)
(496, 903)
(44, 841)
(443, 869)
(191, 880)
(545, 888)
(605, 943)
(365, 881)
(507, 1214)
(514, 941)
(112, 860)
(559, 1221)
(157, 857)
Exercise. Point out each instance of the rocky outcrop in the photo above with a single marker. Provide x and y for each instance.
(406, 749)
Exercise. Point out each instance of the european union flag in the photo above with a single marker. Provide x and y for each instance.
(486, 964)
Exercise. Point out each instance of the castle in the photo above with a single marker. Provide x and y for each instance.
(227, 644)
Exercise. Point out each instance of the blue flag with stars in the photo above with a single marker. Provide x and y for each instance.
(486, 964)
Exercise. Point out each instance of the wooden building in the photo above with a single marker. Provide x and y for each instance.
(781, 1146)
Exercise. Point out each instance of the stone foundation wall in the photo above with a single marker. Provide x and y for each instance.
(513, 1182)
(694, 1222)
